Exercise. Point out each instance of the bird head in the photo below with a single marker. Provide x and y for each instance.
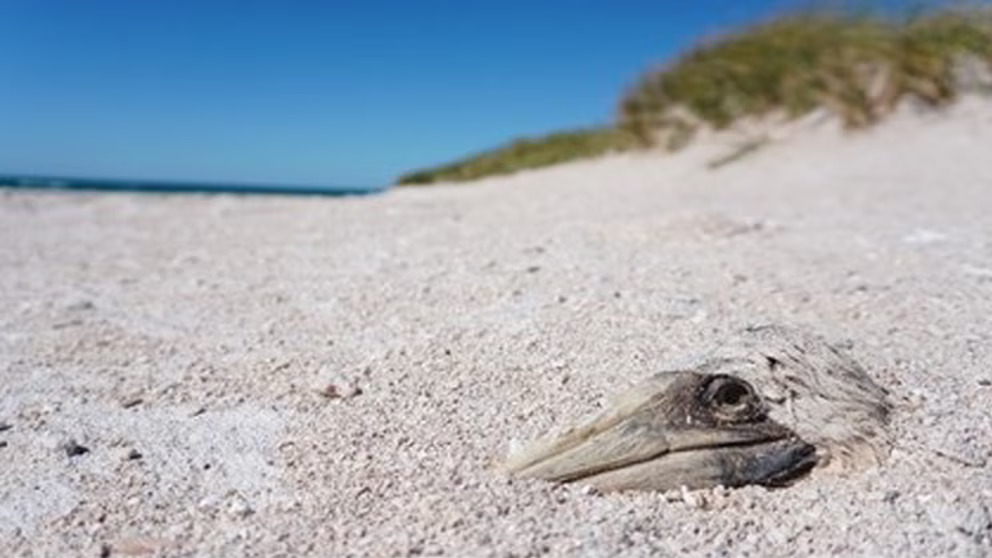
(765, 409)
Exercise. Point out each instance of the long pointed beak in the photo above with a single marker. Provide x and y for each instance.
(651, 442)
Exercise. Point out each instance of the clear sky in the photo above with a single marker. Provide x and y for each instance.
(337, 92)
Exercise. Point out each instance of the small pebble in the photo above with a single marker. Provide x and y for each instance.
(133, 402)
(138, 546)
(691, 499)
(292, 505)
(81, 306)
(134, 454)
(589, 490)
(4, 426)
(3, 443)
(339, 388)
(239, 507)
(73, 449)
(207, 503)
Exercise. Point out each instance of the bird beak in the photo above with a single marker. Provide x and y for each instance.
(666, 434)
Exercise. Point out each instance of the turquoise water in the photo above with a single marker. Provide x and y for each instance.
(177, 187)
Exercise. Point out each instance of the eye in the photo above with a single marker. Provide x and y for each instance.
(731, 393)
(731, 398)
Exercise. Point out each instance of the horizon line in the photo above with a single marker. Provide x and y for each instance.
(162, 185)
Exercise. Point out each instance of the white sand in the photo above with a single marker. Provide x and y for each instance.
(197, 331)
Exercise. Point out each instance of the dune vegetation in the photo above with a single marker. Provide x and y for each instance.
(528, 153)
(860, 66)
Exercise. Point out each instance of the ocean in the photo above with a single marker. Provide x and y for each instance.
(178, 187)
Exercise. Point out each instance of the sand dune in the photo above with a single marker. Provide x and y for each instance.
(190, 343)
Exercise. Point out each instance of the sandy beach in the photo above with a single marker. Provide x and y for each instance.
(278, 376)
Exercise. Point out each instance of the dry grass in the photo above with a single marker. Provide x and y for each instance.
(525, 154)
(860, 66)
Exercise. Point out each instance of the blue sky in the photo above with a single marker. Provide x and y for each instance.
(304, 92)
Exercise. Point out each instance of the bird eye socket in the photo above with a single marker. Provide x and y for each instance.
(731, 394)
(726, 394)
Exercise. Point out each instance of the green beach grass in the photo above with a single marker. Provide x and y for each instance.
(860, 66)
(528, 153)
